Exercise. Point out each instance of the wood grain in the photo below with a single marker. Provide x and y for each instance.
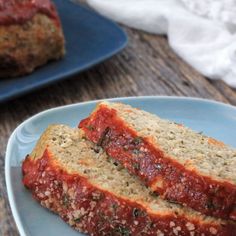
(146, 67)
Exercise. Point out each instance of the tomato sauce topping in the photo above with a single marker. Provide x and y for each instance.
(164, 175)
(20, 11)
(101, 212)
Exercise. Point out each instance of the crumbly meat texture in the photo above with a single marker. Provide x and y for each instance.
(182, 165)
(77, 180)
(24, 47)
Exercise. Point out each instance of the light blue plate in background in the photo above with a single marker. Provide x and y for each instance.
(212, 118)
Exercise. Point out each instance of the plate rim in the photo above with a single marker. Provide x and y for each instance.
(10, 194)
(12, 94)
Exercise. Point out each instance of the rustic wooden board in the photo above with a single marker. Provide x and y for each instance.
(146, 67)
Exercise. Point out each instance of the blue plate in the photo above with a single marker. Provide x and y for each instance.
(214, 119)
(90, 39)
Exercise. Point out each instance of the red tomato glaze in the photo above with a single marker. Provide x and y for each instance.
(97, 212)
(142, 158)
(20, 11)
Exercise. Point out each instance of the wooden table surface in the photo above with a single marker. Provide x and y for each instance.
(146, 67)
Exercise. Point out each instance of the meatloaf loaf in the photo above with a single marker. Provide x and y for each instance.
(179, 164)
(75, 178)
(30, 36)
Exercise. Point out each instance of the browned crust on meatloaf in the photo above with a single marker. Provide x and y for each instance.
(97, 212)
(24, 47)
(142, 158)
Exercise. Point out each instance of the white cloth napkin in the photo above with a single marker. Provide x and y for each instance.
(202, 32)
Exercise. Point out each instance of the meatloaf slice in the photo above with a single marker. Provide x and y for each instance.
(29, 42)
(75, 178)
(182, 165)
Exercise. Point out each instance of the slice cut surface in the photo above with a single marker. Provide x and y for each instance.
(178, 163)
(76, 179)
